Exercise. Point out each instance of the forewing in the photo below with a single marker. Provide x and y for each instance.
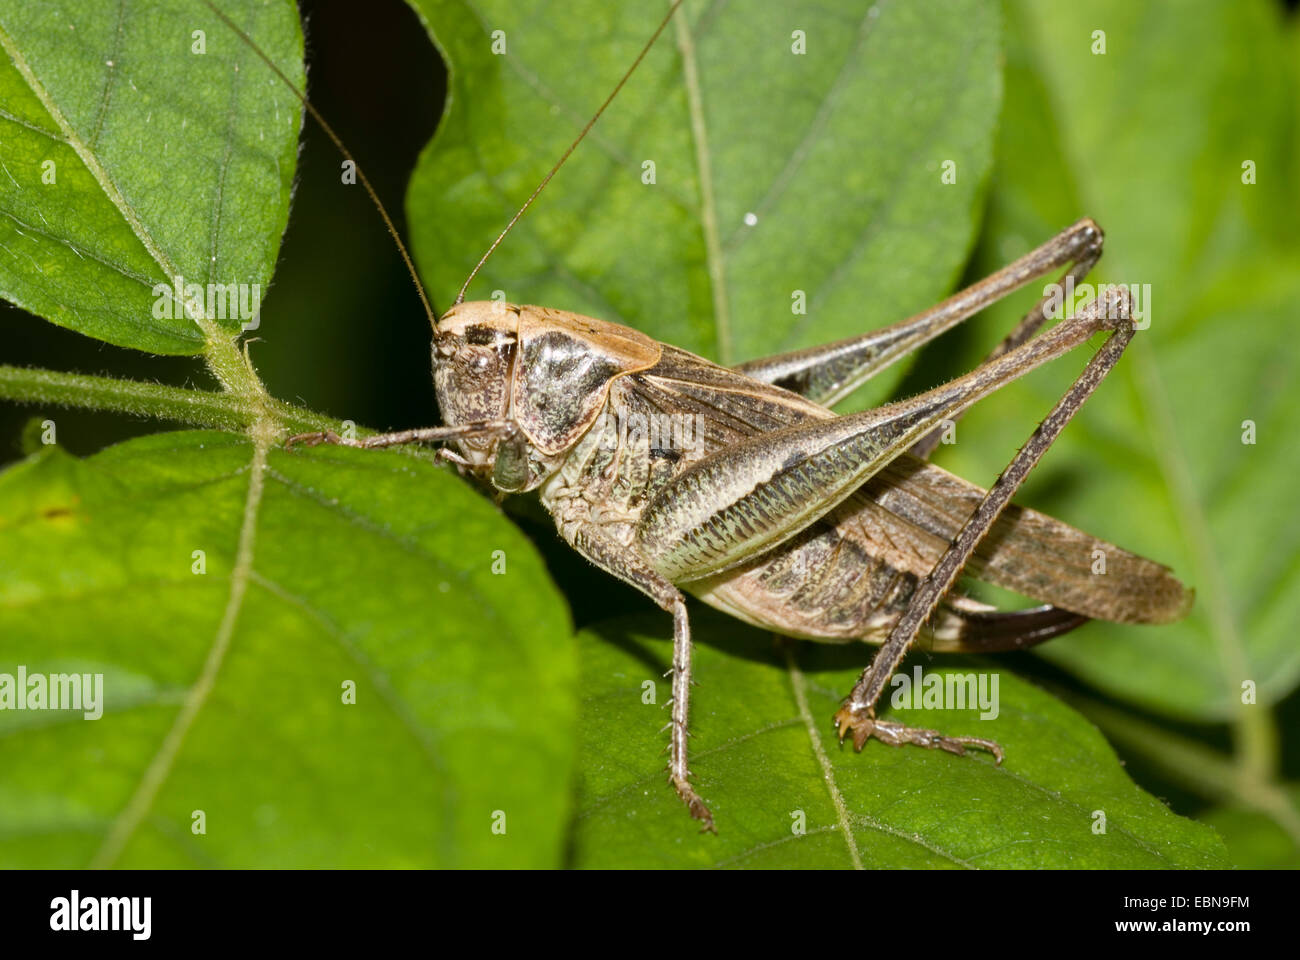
(911, 510)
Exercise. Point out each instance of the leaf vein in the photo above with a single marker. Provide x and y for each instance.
(164, 760)
(814, 738)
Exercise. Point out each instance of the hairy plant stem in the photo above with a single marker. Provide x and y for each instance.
(250, 411)
(222, 410)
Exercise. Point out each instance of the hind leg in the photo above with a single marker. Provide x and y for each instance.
(858, 715)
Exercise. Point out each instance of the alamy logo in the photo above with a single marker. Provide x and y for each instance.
(102, 913)
(213, 301)
(660, 432)
(53, 691)
(946, 691)
(1061, 300)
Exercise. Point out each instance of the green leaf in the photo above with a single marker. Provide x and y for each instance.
(1152, 146)
(766, 759)
(130, 158)
(836, 153)
(364, 568)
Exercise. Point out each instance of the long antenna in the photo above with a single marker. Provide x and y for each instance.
(460, 297)
(347, 155)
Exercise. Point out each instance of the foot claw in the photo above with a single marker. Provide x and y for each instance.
(858, 721)
(695, 805)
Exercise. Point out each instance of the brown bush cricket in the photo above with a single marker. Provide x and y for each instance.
(785, 515)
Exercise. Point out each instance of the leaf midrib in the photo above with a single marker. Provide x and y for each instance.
(160, 767)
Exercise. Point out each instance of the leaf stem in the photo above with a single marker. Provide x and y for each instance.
(257, 413)
(221, 410)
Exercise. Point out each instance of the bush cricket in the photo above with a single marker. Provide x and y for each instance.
(784, 514)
